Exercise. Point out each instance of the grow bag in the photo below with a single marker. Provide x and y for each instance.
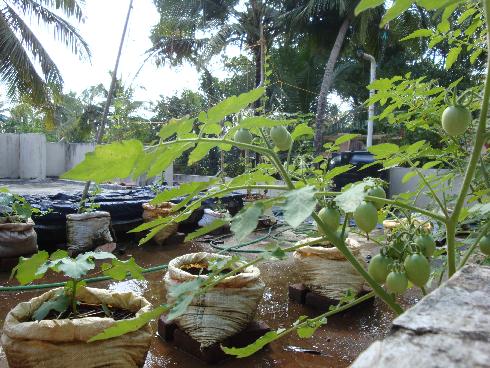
(151, 213)
(325, 270)
(17, 239)
(86, 231)
(224, 310)
(63, 342)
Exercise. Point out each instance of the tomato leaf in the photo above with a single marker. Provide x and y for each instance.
(119, 270)
(299, 204)
(246, 220)
(216, 224)
(349, 200)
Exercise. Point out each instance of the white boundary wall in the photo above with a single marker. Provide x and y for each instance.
(30, 156)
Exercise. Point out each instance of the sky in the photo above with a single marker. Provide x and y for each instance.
(102, 29)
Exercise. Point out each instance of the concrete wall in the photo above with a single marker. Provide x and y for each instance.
(9, 155)
(397, 187)
(30, 156)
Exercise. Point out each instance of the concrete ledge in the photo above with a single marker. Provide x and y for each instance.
(448, 328)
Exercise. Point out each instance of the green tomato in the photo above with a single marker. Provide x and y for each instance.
(417, 268)
(281, 138)
(331, 217)
(485, 245)
(366, 216)
(379, 268)
(456, 120)
(426, 244)
(377, 191)
(243, 136)
(396, 282)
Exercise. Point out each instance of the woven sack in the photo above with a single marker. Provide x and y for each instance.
(17, 239)
(325, 270)
(86, 231)
(63, 343)
(224, 310)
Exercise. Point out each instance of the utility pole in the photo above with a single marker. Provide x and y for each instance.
(372, 60)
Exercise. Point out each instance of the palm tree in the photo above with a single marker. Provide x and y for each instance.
(344, 12)
(26, 68)
(195, 31)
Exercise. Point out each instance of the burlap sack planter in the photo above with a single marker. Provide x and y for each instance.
(325, 270)
(86, 231)
(221, 312)
(151, 213)
(63, 342)
(17, 238)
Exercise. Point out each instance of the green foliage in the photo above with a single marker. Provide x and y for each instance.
(216, 224)
(15, 208)
(299, 205)
(115, 160)
(246, 220)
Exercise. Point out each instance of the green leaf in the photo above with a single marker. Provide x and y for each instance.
(307, 331)
(164, 160)
(337, 171)
(349, 200)
(59, 304)
(452, 56)
(201, 150)
(367, 4)
(300, 203)
(345, 138)
(95, 255)
(302, 130)
(74, 268)
(418, 33)
(430, 165)
(147, 159)
(253, 347)
(176, 126)
(399, 6)
(129, 325)
(246, 220)
(480, 208)
(180, 191)
(26, 270)
(107, 162)
(119, 270)
(384, 150)
(475, 55)
(261, 122)
(216, 224)
(231, 105)
(408, 176)
(183, 294)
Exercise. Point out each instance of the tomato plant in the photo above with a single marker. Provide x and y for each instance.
(414, 103)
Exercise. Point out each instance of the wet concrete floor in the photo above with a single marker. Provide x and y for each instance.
(336, 344)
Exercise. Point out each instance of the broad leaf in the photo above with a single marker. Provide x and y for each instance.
(107, 162)
(408, 176)
(345, 138)
(399, 6)
(129, 325)
(176, 126)
(180, 191)
(74, 268)
(253, 347)
(337, 171)
(367, 4)
(246, 220)
(59, 304)
(349, 200)
(201, 150)
(452, 56)
(26, 270)
(119, 270)
(216, 224)
(302, 130)
(418, 33)
(307, 331)
(169, 155)
(299, 205)
(384, 150)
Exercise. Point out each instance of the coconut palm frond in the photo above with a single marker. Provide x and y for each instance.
(63, 30)
(16, 68)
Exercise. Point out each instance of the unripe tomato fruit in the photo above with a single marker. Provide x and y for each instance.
(377, 191)
(417, 268)
(281, 138)
(456, 120)
(396, 282)
(485, 245)
(243, 136)
(379, 268)
(366, 216)
(427, 244)
(331, 217)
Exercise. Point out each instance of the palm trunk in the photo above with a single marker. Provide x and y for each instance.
(327, 84)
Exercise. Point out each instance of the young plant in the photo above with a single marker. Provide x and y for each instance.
(15, 208)
(66, 302)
